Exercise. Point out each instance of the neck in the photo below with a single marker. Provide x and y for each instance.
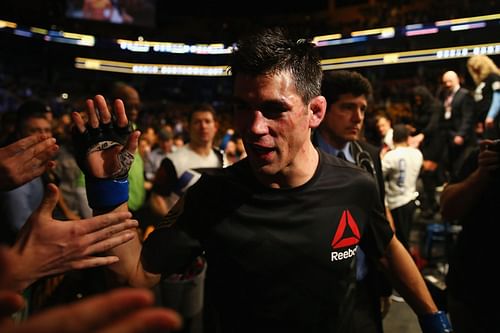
(201, 149)
(295, 174)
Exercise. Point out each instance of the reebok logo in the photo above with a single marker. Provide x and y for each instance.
(343, 238)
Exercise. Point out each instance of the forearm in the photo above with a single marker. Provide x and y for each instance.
(129, 269)
(495, 105)
(457, 199)
(407, 279)
(159, 204)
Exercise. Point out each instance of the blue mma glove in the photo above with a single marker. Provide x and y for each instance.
(435, 323)
(104, 193)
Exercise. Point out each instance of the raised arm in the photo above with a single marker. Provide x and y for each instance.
(105, 148)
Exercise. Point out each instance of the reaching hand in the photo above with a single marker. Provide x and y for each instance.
(47, 246)
(105, 147)
(105, 151)
(25, 159)
(120, 311)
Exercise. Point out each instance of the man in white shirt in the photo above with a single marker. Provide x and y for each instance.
(179, 170)
(401, 168)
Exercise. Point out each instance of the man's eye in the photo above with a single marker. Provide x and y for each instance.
(272, 113)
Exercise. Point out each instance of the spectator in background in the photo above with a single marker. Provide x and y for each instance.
(178, 171)
(383, 123)
(17, 204)
(339, 134)
(486, 76)
(457, 122)
(132, 102)
(427, 111)
(401, 168)
(164, 147)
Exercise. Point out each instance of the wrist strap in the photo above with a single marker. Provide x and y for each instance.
(106, 194)
(435, 323)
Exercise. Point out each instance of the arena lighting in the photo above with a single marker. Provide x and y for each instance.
(419, 32)
(49, 35)
(153, 69)
(327, 64)
(409, 30)
(7, 24)
(342, 41)
(410, 56)
(388, 31)
(141, 45)
(322, 38)
(146, 46)
(467, 20)
(467, 26)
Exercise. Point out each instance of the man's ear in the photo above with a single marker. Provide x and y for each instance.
(317, 107)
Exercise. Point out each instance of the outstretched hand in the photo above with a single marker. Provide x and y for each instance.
(124, 310)
(47, 246)
(26, 159)
(105, 140)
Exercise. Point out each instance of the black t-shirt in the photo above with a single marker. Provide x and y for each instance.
(279, 260)
(473, 261)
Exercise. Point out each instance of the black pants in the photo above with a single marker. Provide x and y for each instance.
(403, 220)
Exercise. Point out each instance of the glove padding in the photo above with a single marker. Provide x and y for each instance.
(435, 323)
(104, 194)
(103, 137)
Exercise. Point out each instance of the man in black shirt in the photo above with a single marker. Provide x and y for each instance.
(348, 94)
(280, 228)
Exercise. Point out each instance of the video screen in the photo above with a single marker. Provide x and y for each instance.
(135, 12)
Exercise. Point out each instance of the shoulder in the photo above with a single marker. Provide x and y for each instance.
(373, 150)
(330, 163)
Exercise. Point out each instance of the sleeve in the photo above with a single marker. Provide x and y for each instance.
(165, 179)
(495, 104)
(175, 243)
(378, 231)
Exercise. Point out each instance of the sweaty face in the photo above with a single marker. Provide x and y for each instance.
(202, 128)
(273, 122)
(344, 119)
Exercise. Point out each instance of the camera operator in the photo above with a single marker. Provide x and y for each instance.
(472, 199)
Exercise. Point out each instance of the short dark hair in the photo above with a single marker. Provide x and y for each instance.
(400, 133)
(342, 82)
(272, 50)
(201, 107)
